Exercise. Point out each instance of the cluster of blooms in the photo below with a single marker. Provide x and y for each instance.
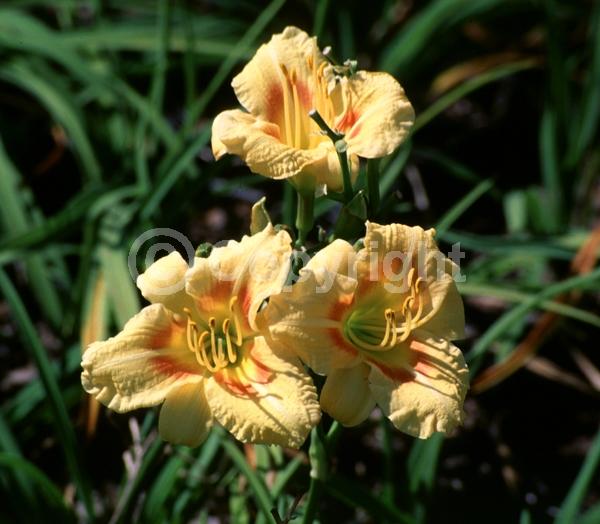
(228, 339)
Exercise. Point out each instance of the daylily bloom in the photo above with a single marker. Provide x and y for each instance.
(198, 350)
(379, 324)
(287, 78)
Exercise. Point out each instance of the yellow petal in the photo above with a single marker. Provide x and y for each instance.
(185, 417)
(346, 395)
(138, 367)
(252, 270)
(164, 282)
(261, 84)
(447, 316)
(307, 320)
(269, 400)
(395, 248)
(376, 116)
(428, 398)
(338, 257)
(258, 143)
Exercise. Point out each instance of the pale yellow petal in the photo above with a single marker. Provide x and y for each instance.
(337, 257)
(447, 316)
(261, 85)
(346, 395)
(427, 396)
(250, 270)
(376, 116)
(164, 282)
(185, 417)
(138, 367)
(307, 320)
(258, 143)
(271, 400)
(393, 250)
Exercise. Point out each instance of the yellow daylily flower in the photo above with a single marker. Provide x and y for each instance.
(198, 351)
(287, 78)
(379, 323)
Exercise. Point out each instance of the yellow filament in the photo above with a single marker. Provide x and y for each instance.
(297, 117)
(236, 322)
(287, 107)
(221, 353)
(231, 354)
(396, 331)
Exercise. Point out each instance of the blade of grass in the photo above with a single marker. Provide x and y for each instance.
(122, 294)
(570, 507)
(320, 18)
(259, 490)
(133, 486)
(157, 90)
(553, 216)
(239, 50)
(354, 495)
(212, 47)
(59, 104)
(53, 497)
(63, 425)
(558, 247)
(591, 516)
(590, 101)
(518, 312)
(165, 181)
(514, 295)
(8, 444)
(16, 219)
(162, 487)
(428, 24)
(445, 101)
(422, 463)
(21, 32)
(458, 209)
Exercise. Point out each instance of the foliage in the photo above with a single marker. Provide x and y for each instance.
(105, 115)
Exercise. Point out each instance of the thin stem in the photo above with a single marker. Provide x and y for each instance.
(333, 136)
(340, 148)
(304, 215)
(318, 472)
(373, 186)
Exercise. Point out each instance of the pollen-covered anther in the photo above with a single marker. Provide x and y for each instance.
(214, 349)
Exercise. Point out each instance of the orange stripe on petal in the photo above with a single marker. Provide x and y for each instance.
(242, 378)
(396, 374)
(340, 342)
(173, 368)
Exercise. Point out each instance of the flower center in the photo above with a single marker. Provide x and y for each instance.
(370, 330)
(299, 97)
(218, 346)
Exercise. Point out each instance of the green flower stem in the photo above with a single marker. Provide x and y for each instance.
(321, 446)
(318, 473)
(305, 215)
(333, 136)
(340, 147)
(373, 186)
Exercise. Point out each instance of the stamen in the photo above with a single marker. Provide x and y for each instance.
(231, 354)
(388, 327)
(297, 117)
(191, 331)
(287, 109)
(236, 322)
